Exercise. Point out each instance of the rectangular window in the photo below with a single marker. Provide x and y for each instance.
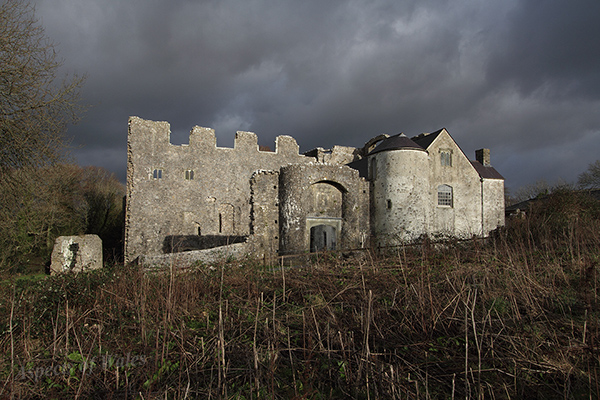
(446, 158)
(189, 175)
(157, 173)
(445, 196)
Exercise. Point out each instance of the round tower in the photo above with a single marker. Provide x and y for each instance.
(399, 172)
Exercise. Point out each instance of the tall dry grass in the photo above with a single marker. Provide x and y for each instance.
(515, 316)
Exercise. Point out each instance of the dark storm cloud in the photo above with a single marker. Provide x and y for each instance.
(520, 77)
(550, 45)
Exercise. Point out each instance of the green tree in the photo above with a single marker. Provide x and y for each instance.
(590, 179)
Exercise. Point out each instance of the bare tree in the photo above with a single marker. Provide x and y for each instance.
(590, 179)
(35, 106)
(531, 191)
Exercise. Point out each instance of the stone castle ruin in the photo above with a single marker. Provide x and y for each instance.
(199, 201)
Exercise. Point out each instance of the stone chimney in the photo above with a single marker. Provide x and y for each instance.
(483, 156)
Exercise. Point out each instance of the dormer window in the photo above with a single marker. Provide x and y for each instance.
(446, 158)
(189, 175)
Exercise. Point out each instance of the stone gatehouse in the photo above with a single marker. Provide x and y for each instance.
(198, 197)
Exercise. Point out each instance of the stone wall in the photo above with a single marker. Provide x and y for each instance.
(194, 189)
(463, 218)
(264, 217)
(401, 205)
(493, 204)
(319, 195)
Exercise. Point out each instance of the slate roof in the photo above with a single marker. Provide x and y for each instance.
(396, 142)
(486, 172)
(425, 139)
(361, 166)
(420, 142)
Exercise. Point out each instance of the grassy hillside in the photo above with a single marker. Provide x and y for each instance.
(515, 316)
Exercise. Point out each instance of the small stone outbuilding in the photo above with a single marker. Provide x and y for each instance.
(76, 254)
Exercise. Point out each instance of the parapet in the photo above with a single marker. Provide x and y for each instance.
(157, 133)
(245, 140)
(286, 145)
(203, 137)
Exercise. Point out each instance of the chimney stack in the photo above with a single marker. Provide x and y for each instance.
(483, 156)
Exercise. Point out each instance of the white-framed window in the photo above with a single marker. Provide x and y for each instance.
(445, 196)
(157, 173)
(189, 174)
(446, 158)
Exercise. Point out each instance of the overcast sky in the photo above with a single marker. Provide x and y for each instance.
(519, 77)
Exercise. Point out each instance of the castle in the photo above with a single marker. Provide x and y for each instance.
(191, 200)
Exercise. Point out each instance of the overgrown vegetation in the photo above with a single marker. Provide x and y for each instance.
(590, 178)
(57, 200)
(515, 316)
(38, 196)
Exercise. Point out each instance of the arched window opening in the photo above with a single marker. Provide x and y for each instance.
(445, 198)
(325, 200)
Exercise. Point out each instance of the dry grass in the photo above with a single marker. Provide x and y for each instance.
(514, 317)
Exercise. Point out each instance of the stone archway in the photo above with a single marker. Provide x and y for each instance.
(324, 216)
(332, 199)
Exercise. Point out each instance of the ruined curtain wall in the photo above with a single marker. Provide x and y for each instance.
(195, 189)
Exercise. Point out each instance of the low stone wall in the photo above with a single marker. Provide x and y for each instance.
(188, 258)
(181, 243)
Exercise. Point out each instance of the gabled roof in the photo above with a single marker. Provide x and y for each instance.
(396, 142)
(425, 139)
(486, 172)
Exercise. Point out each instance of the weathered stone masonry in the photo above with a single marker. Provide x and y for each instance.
(201, 199)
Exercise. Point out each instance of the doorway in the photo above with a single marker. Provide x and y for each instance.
(323, 238)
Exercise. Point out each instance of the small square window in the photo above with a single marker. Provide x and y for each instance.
(157, 173)
(446, 158)
(189, 175)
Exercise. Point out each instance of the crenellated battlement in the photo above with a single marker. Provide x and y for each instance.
(157, 134)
